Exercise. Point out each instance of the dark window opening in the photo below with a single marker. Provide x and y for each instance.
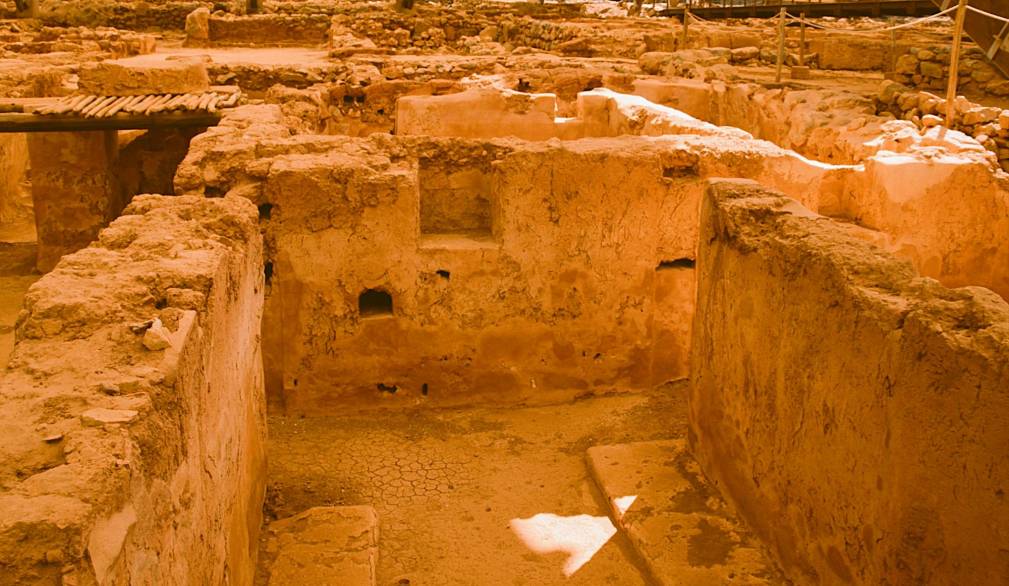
(391, 389)
(268, 272)
(679, 172)
(443, 274)
(265, 210)
(423, 389)
(680, 263)
(374, 302)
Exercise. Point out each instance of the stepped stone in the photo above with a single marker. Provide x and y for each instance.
(324, 545)
(678, 523)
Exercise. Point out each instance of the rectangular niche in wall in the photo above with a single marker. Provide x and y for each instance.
(456, 200)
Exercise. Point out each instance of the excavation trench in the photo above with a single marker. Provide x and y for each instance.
(541, 280)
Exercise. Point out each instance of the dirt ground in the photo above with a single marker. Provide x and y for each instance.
(448, 484)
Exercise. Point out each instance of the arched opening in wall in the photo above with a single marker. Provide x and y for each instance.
(374, 303)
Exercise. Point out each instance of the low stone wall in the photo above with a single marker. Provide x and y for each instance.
(988, 125)
(268, 29)
(133, 407)
(123, 14)
(493, 113)
(836, 393)
(928, 67)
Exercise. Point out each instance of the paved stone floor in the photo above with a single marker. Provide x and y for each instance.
(475, 496)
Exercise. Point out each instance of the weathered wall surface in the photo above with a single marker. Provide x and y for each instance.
(133, 449)
(542, 288)
(566, 270)
(268, 29)
(14, 206)
(494, 113)
(74, 189)
(948, 215)
(837, 394)
(938, 199)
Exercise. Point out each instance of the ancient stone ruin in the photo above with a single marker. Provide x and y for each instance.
(480, 293)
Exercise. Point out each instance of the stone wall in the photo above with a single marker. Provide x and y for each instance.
(836, 394)
(128, 14)
(988, 125)
(928, 67)
(133, 407)
(268, 30)
(75, 190)
(500, 302)
(496, 297)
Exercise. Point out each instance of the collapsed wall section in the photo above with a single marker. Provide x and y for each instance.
(133, 407)
(836, 394)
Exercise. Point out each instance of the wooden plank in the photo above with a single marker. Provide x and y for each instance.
(985, 31)
(73, 123)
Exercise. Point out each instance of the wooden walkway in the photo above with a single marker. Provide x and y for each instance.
(87, 113)
(760, 9)
(987, 32)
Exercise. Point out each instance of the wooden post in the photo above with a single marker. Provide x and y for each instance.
(686, 23)
(802, 39)
(781, 44)
(954, 64)
(893, 45)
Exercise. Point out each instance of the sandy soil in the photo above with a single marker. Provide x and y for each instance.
(448, 484)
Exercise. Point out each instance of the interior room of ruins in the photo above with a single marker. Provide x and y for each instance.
(504, 292)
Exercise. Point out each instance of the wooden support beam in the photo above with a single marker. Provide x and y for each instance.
(954, 65)
(781, 45)
(63, 123)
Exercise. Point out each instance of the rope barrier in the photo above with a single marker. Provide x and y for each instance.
(879, 30)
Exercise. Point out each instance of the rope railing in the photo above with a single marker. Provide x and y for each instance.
(874, 31)
(988, 14)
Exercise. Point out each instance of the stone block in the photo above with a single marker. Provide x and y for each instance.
(198, 27)
(659, 497)
(324, 545)
(112, 78)
(801, 72)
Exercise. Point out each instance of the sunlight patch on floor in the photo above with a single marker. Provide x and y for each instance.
(579, 536)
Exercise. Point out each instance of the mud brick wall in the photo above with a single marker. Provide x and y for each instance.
(133, 406)
(836, 395)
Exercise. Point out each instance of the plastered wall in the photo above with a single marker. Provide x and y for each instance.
(133, 406)
(851, 410)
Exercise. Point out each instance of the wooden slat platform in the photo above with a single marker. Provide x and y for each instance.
(85, 113)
